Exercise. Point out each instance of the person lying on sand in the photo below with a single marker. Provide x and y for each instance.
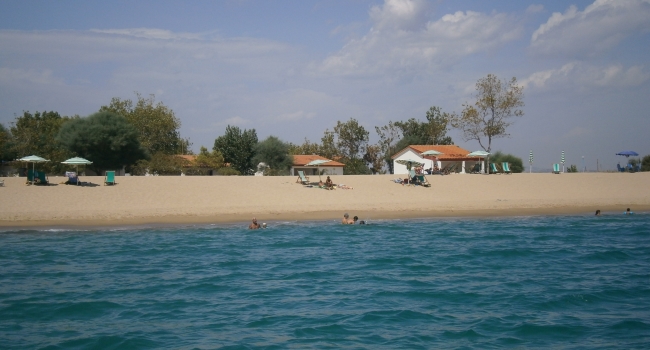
(345, 187)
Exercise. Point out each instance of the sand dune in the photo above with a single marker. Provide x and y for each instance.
(189, 199)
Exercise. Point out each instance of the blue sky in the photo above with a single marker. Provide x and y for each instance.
(293, 68)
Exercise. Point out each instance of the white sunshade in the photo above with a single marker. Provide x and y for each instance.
(479, 154)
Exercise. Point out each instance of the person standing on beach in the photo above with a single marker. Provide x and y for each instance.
(254, 225)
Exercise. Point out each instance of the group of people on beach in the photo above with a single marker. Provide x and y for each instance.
(347, 221)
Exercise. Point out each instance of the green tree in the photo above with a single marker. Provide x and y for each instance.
(437, 126)
(351, 138)
(645, 163)
(36, 134)
(238, 148)
(213, 160)
(374, 158)
(156, 124)
(275, 154)
(516, 164)
(307, 147)
(389, 135)
(6, 145)
(328, 147)
(490, 116)
(105, 138)
(160, 164)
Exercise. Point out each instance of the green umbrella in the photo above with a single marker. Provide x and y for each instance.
(479, 154)
(317, 163)
(431, 152)
(409, 163)
(77, 161)
(33, 159)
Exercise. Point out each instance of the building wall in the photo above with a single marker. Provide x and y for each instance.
(313, 171)
(400, 169)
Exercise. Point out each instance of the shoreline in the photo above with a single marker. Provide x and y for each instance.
(244, 219)
(175, 200)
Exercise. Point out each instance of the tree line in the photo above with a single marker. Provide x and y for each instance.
(143, 136)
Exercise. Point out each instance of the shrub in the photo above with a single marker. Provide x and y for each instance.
(227, 171)
(516, 164)
(645, 163)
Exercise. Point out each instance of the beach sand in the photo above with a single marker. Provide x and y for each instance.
(219, 199)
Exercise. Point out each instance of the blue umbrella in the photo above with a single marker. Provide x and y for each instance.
(627, 154)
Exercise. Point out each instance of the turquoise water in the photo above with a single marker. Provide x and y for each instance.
(565, 282)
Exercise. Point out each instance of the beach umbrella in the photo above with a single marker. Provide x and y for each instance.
(479, 154)
(562, 160)
(33, 159)
(627, 154)
(433, 153)
(77, 161)
(409, 163)
(317, 163)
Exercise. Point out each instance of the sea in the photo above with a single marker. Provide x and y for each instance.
(538, 282)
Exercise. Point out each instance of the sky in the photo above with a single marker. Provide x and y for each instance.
(292, 69)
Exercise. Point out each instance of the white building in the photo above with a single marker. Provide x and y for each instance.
(330, 168)
(451, 154)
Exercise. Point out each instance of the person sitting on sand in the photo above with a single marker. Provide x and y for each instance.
(329, 185)
(346, 220)
(628, 212)
(598, 212)
(436, 170)
(254, 225)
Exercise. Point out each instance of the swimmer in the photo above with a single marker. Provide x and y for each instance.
(264, 225)
(628, 212)
(254, 225)
(598, 212)
(346, 219)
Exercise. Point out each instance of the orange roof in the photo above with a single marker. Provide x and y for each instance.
(449, 152)
(302, 159)
(189, 157)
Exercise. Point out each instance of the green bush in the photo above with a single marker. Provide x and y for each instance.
(516, 164)
(227, 171)
(572, 169)
(645, 163)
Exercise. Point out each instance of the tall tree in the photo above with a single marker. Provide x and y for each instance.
(437, 126)
(6, 145)
(105, 138)
(156, 124)
(36, 134)
(351, 138)
(328, 147)
(307, 147)
(389, 135)
(374, 158)
(238, 148)
(490, 116)
(275, 154)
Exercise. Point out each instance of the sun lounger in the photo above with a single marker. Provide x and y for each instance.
(73, 179)
(109, 178)
(620, 168)
(302, 178)
(506, 168)
(41, 178)
(556, 168)
(30, 176)
(494, 169)
(422, 181)
(476, 169)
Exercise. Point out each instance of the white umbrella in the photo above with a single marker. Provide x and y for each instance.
(479, 154)
(317, 163)
(431, 152)
(76, 161)
(33, 159)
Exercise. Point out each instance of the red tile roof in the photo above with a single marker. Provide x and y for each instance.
(302, 159)
(449, 152)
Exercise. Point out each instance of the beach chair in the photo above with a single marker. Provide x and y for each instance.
(476, 169)
(41, 178)
(556, 168)
(73, 179)
(494, 169)
(2, 183)
(109, 178)
(422, 181)
(620, 168)
(302, 178)
(30, 176)
(506, 168)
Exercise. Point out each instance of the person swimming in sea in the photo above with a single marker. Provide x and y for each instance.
(598, 212)
(254, 225)
(628, 212)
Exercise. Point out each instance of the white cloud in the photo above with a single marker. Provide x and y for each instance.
(149, 33)
(30, 76)
(403, 42)
(534, 9)
(582, 75)
(601, 26)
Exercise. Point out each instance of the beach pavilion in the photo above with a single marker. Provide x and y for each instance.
(450, 154)
(300, 162)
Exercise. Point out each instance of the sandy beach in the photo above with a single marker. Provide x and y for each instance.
(190, 199)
